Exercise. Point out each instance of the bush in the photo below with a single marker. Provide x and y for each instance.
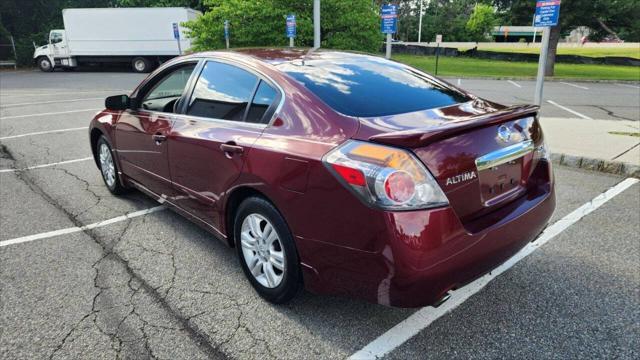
(352, 25)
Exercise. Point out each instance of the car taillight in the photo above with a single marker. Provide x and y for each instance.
(387, 177)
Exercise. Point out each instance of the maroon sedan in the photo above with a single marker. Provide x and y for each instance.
(343, 173)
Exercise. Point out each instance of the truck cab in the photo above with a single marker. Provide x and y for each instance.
(55, 53)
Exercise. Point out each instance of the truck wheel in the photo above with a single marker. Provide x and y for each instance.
(141, 65)
(45, 64)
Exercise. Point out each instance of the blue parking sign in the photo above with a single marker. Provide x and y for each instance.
(176, 31)
(389, 15)
(291, 26)
(547, 13)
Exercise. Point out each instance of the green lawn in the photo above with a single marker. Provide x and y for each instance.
(632, 52)
(471, 67)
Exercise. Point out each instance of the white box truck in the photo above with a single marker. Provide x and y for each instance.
(141, 37)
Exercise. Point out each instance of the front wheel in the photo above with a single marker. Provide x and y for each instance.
(108, 167)
(45, 64)
(266, 250)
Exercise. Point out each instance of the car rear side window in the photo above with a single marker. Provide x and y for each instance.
(367, 86)
(264, 97)
(222, 92)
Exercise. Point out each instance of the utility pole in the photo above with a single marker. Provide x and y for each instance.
(420, 23)
(316, 24)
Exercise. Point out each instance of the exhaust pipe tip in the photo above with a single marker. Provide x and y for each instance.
(442, 300)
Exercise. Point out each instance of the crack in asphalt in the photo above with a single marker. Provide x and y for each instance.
(611, 113)
(202, 341)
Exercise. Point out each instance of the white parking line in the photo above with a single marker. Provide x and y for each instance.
(574, 85)
(514, 83)
(49, 102)
(629, 86)
(45, 114)
(54, 92)
(42, 133)
(75, 229)
(569, 110)
(422, 318)
(46, 165)
(459, 82)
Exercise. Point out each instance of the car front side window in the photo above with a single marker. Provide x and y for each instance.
(164, 95)
(222, 91)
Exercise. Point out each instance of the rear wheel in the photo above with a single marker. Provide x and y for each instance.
(108, 167)
(45, 64)
(141, 65)
(266, 250)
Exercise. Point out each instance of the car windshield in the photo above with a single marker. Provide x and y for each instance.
(367, 86)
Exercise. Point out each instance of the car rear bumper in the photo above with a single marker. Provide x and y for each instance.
(427, 253)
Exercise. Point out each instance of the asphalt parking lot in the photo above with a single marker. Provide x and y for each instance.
(153, 285)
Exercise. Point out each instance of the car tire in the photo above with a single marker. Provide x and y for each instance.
(45, 64)
(141, 65)
(108, 167)
(276, 274)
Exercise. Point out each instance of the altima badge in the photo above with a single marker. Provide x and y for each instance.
(460, 178)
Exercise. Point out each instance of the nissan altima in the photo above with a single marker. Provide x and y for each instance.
(336, 172)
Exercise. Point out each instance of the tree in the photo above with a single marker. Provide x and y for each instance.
(481, 22)
(345, 24)
(612, 18)
(194, 4)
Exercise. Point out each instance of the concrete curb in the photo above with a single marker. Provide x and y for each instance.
(605, 166)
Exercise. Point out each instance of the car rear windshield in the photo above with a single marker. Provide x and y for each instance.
(367, 86)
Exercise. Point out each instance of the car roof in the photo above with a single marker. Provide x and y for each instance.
(276, 56)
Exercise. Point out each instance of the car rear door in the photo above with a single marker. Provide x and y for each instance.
(227, 111)
(141, 132)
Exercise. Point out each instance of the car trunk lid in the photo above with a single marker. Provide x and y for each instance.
(482, 155)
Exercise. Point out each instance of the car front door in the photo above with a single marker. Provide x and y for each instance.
(141, 132)
(228, 109)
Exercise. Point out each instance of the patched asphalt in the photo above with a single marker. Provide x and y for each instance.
(158, 286)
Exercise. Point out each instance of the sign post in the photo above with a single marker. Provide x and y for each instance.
(316, 24)
(438, 41)
(291, 28)
(226, 32)
(389, 24)
(176, 35)
(547, 15)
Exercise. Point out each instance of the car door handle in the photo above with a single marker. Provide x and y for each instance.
(230, 149)
(159, 138)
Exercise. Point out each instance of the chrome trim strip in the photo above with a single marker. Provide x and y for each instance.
(504, 155)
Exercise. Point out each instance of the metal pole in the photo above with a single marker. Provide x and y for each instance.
(388, 55)
(542, 64)
(534, 28)
(437, 56)
(316, 24)
(420, 23)
(227, 42)
(15, 55)
(179, 47)
(290, 42)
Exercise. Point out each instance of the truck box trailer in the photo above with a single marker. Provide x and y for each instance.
(141, 37)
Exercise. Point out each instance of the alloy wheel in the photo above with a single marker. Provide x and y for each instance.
(106, 165)
(262, 250)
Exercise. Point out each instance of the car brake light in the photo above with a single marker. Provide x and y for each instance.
(351, 176)
(384, 176)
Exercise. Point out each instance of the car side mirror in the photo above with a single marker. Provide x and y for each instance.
(117, 102)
